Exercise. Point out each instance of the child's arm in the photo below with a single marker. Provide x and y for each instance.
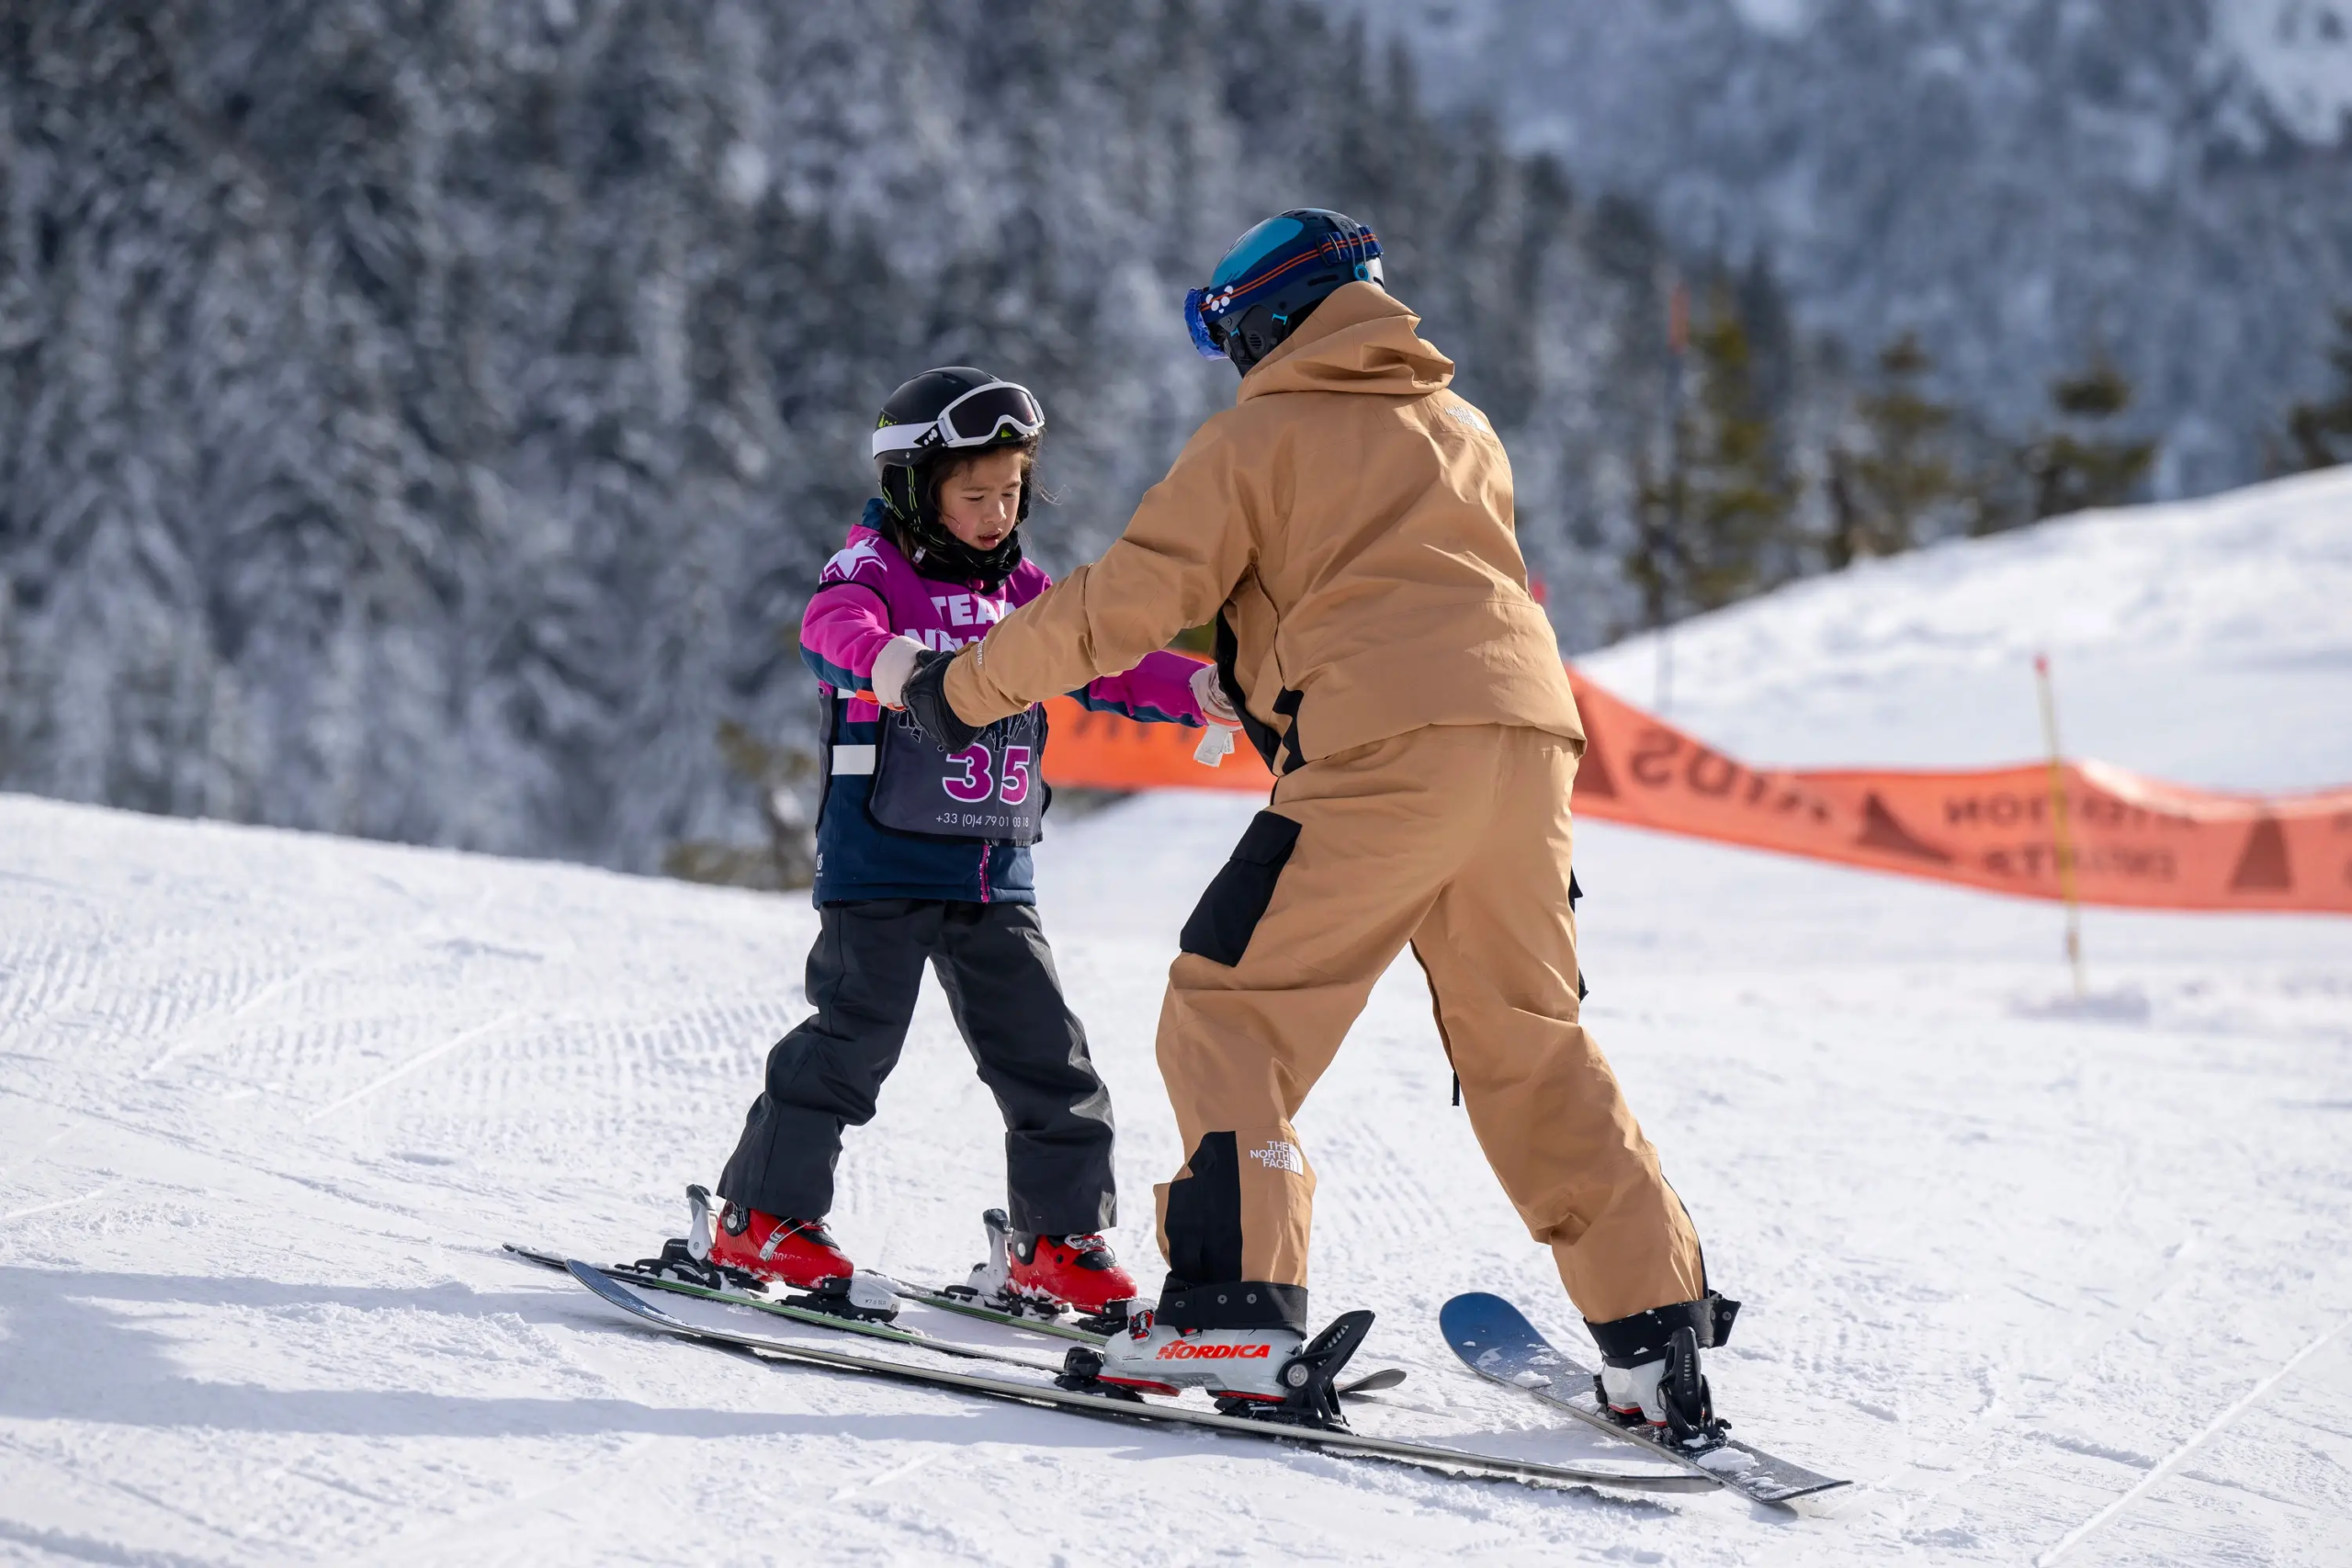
(845, 629)
(1157, 689)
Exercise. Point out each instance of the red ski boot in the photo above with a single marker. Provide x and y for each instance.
(1046, 1274)
(796, 1253)
(1079, 1273)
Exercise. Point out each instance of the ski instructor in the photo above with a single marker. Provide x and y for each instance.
(1349, 525)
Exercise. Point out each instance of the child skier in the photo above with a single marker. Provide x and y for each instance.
(922, 856)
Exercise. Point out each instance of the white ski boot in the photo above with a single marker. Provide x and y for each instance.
(1230, 1363)
(1267, 1372)
(1631, 1393)
(1650, 1376)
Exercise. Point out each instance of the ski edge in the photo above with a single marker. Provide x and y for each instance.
(887, 1334)
(1777, 1496)
(1376, 1382)
(956, 1304)
(1452, 1461)
(926, 1294)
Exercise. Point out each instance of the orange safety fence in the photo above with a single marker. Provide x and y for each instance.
(2137, 843)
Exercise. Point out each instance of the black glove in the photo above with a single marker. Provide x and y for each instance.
(926, 699)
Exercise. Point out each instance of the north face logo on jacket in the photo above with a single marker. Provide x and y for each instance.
(1281, 1154)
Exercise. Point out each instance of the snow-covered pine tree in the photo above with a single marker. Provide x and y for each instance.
(1894, 483)
(1716, 518)
(2085, 461)
(2319, 431)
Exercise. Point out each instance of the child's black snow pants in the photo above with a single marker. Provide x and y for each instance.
(997, 973)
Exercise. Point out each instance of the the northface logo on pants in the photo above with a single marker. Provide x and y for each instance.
(1281, 1154)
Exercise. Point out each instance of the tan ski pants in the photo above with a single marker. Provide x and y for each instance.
(1456, 840)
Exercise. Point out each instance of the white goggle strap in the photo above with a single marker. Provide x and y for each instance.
(904, 437)
(900, 437)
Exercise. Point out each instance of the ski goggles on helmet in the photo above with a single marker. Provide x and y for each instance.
(977, 418)
(1265, 262)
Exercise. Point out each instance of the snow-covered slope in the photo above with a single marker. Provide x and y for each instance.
(2207, 642)
(268, 1102)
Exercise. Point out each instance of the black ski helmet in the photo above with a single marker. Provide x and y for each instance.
(953, 411)
(1272, 276)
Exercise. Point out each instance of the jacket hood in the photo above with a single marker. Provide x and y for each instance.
(1360, 339)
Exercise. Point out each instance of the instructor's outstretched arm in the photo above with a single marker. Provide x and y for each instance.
(1190, 541)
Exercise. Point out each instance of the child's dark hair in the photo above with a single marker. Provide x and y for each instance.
(925, 539)
(933, 476)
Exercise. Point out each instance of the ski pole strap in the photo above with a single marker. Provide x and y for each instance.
(1642, 1336)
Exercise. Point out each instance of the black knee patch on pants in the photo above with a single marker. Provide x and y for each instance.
(1229, 913)
(1204, 1215)
(1204, 1287)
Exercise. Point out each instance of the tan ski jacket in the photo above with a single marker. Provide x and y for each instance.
(1348, 523)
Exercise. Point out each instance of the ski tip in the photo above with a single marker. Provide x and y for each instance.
(618, 1294)
(589, 1275)
(1475, 1309)
(611, 1290)
(1373, 1383)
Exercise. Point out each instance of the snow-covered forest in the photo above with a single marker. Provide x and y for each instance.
(424, 422)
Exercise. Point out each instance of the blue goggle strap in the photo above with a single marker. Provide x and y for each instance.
(1198, 325)
(1363, 249)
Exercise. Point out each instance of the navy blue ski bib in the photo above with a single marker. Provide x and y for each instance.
(989, 790)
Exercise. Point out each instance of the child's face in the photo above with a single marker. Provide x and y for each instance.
(980, 502)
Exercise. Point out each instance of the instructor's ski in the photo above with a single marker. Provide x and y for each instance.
(1495, 1340)
(1367, 1383)
(1427, 1456)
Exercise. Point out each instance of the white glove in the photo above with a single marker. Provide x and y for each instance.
(1208, 693)
(1215, 742)
(891, 668)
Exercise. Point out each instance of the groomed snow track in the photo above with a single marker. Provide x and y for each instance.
(2030, 1269)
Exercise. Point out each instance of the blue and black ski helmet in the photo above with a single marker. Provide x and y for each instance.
(1272, 276)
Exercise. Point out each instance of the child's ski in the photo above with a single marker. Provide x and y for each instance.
(1495, 1340)
(967, 1305)
(882, 1331)
(1428, 1456)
